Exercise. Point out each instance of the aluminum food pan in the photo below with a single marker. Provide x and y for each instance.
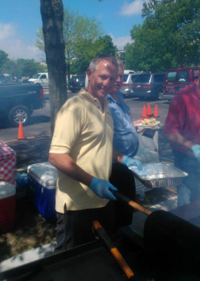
(159, 175)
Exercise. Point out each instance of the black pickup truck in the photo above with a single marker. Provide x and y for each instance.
(18, 101)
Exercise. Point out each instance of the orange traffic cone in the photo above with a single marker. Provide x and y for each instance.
(21, 132)
(149, 113)
(144, 113)
(156, 111)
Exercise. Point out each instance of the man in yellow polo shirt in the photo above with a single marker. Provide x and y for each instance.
(81, 150)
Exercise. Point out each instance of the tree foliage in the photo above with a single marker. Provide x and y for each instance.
(20, 67)
(3, 59)
(28, 67)
(169, 36)
(88, 50)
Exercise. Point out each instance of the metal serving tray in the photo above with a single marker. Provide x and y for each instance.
(159, 175)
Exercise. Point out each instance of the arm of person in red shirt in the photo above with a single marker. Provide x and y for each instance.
(180, 142)
(174, 125)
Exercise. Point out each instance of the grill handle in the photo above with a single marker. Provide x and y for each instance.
(131, 203)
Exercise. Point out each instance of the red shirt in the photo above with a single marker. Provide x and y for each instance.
(184, 114)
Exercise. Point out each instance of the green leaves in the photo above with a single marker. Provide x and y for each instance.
(169, 36)
(3, 59)
(20, 67)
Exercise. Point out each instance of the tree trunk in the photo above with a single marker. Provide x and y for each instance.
(52, 18)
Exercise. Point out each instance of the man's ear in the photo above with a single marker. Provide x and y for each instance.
(89, 72)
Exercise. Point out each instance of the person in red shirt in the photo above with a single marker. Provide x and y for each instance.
(182, 130)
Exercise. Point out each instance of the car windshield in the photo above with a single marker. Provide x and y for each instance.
(81, 78)
(171, 76)
(142, 78)
(182, 76)
(36, 76)
(125, 77)
(133, 77)
(77, 78)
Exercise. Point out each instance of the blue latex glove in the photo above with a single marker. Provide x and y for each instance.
(101, 188)
(196, 151)
(129, 161)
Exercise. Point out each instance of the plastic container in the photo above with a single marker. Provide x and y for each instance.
(42, 187)
(7, 206)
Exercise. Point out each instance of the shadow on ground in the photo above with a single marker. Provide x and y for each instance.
(30, 151)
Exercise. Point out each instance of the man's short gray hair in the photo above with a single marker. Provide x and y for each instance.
(96, 61)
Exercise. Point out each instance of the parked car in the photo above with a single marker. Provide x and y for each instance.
(76, 83)
(177, 79)
(148, 85)
(17, 102)
(126, 88)
(41, 79)
(4, 79)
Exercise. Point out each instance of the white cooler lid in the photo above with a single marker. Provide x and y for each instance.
(7, 189)
(44, 173)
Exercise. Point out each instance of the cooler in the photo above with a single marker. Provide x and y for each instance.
(42, 188)
(7, 206)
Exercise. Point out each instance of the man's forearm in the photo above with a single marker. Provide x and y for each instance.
(65, 164)
(179, 141)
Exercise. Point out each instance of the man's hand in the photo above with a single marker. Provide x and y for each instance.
(196, 151)
(101, 188)
(129, 161)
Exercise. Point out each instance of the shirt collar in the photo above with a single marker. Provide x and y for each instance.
(110, 98)
(86, 94)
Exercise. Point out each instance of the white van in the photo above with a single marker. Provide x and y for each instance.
(40, 79)
(126, 88)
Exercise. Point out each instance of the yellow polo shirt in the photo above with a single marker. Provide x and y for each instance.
(85, 132)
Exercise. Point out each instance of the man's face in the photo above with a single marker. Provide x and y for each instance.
(102, 80)
(119, 80)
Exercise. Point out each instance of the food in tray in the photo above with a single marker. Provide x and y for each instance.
(149, 122)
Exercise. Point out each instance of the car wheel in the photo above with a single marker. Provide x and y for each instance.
(19, 114)
(160, 95)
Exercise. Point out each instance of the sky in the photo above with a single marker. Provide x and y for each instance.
(20, 20)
